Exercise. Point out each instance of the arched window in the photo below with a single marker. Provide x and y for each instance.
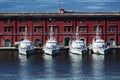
(21, 39)
(112, 42)
(7, 43)
(66, 41)
(37, 42)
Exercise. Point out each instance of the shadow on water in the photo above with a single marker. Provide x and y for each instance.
(62, 66)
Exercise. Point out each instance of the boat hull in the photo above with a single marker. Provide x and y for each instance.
(51, 51)
(100, 51)
(78, 51)
(26, 52)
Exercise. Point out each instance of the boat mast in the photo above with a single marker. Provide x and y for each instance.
(26, 33)
(77, 37)
(97, 32)
(51, 32)
(59, 4)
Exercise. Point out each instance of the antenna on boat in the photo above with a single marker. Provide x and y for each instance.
(59, 4)
(97, 32)
(51, 32)
(25, 32)
(77, 37)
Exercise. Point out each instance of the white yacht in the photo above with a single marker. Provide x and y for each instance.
(26, 47)
(98, 45)
(51, 47)
(78, 46)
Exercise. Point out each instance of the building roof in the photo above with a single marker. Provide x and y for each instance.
(69, 14)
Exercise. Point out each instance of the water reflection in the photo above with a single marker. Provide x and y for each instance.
(9, 66)
(23, 64)
(31, 67)
(81, 66)
(56, 66)
(98, 66)
(62, 66)
(49, 65)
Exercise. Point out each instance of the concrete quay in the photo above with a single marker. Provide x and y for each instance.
(40, 48)
(8, 48)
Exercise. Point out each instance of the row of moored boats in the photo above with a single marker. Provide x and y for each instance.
(77, 46)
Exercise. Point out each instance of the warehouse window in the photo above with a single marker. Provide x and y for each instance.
(37, 28)
(112, 28)
(7, 20)
(95, 28)
(7, 43)
(97, 20)
(7, 29)
(82, 20)
(22, 21)
(67, 28)
(54, 28)
(67, 20)
(83, 28)
(112, 20)
(37, 21)
(52, 20)
(22, 29)
(37, 42)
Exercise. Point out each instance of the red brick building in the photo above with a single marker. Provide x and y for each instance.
(12, 26)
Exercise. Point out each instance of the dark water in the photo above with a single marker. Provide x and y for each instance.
(61, 67)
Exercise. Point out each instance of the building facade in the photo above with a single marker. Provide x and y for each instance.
(12, 26)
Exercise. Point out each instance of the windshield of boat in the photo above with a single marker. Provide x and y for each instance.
(51, 42)
(100, 42)
(26, 43)
(79, 42)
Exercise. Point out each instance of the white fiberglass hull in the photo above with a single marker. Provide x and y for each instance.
(99, 51)
(78, 51)
(51, 51)
(25, 51)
